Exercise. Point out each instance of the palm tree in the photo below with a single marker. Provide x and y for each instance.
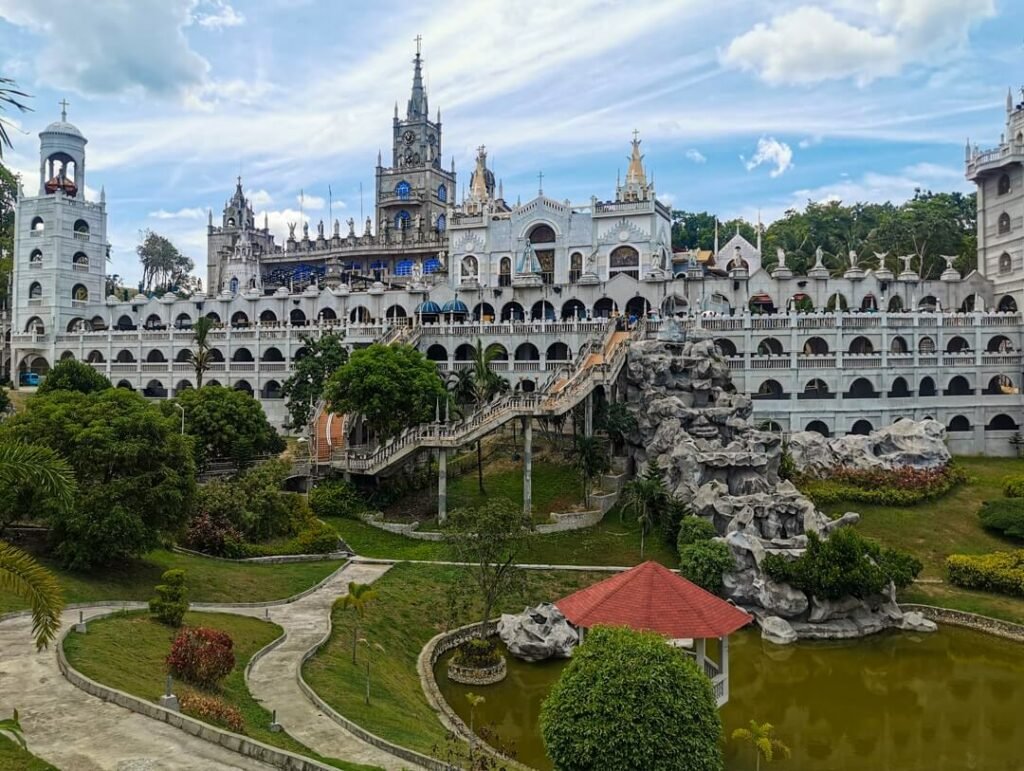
(43, 470)
(9, 97)
(645, 497)
(765, 745)
(374, 647)
(358, 597)
(200, 357)
(591, 460)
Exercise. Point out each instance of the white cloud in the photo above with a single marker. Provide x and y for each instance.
(311, 202)
(259, 198)
(811, 44)
(771, 151)
(933, 171)
(112, 48)
(182, 214)
(695, 155)
(222, 15)
(667, 198)
(806, 142)
(279, 220)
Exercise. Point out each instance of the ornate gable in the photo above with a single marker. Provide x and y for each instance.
(623, 231)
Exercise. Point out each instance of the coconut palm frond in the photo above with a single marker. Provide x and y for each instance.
(21, 575)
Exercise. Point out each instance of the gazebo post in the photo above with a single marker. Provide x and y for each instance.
(725, 667)
(701, 655)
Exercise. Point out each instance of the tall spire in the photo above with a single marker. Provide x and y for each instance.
(635, 174)
(418, 99)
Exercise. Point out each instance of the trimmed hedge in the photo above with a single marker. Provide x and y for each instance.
(882, 487)
(1013, 487)
(1004, 516)
(1001, 572)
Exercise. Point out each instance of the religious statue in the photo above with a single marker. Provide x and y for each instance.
(291, 231)
(906, 259)
(780, 255)
(417, 272)
(305, 231)
(441, 255)
(656, 262)
(853, 258)
(418, 222)
(950, 259)
(592, 262)
(352, 227)
(880, 256)
(469, 268)
(320, 229)
(819, 256)
(369, 227)
(337, 229)
(528, 262)
(383, 225)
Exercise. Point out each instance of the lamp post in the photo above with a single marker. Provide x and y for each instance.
(178, 405)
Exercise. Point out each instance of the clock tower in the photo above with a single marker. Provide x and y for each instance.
(414, 188)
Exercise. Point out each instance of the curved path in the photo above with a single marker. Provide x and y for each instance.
(78, 732)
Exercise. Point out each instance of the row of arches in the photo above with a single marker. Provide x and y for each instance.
(957, 424)
(79, 260)
(156, 389)
(801, 302)
(38, 225)
(861, 345)
(863, 388)
(524, 352)
(126, 356)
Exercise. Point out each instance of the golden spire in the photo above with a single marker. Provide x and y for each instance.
(635, 174)
(478, 186)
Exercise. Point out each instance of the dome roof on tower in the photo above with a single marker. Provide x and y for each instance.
(63, 127)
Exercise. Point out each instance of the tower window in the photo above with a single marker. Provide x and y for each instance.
(1004, 185)
(442, 193)
(36, 257)
(542, 234)
(1005, 263)
(442, 223)
(402, 220)
(403, 190)
(1004, 223)
(38, 226)
(505, 272)
(35, 290)
(575, 267)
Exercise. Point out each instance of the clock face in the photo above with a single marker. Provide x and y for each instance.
(409, 136)
(623, 235)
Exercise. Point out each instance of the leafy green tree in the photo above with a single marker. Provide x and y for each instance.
(646, 498)
(844, 564)
(626, 701)
(10, 98)
(226, 423)
(704, 562)
(490, 538)
(477, 385)
(163, 266)
(693, 230)
(71, 375)
(392, 387)
(305, 387)
(8, 197)
(135, 472)
(761, 737)
(619, 423)
(171, 602)
(199, 357)
(357, 599)
(590, 458)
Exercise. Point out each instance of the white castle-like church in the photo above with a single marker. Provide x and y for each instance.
(540, 278)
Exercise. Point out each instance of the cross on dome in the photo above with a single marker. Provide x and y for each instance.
(63, 109)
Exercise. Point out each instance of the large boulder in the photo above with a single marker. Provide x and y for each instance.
(777, 630)
(919, 444)
(538, 633)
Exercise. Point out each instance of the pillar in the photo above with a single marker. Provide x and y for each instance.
(588, 419)
(724, 668)
(528, 465)
(442, 485)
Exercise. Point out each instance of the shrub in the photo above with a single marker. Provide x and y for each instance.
(317, 538)
(201, 656)
(1001, 572)
(704, 563)
(675, 511)
(335, 498)
(477, 652)
(629, 701)
(212, 534)
(210, 709)
(844, 564)
(884, 487)
(171, 602)
(71, 375)
(1013, 487)
(1005, 516)
(694, 530)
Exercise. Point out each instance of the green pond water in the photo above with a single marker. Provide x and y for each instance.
(949, 701)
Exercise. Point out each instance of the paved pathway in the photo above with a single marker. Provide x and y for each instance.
(78, 732)
(273, 678)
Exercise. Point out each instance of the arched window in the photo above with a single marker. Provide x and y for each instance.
(505, 272)
(79, 293)
(895, 304)
(327, 314)
(125, 356)
(442, 223)
(1004, 185)
(470, 267)
(927, 387)
(1004, 223)
(637, 307)
(442, 193)
(35, 259)
(239, 319)
(575, 267)
(35, 290)
(512, 311)
(402, 220)
(214, 317)
(558, 352)
(815, 346)
(38, 226)
(359, 315)
(542, 310)
(957, 345)
(898, 345)
(959, 386)
(1005, 263)
(35, 326)
(297, 318)
(999, 344)
(395, 312)
(861, 388)
(273, 354)
(81, 228)
(899, 389)
(861, 345)
(437, 352)
(272, 390)
(216, 355)
(1001, 385)
(926, 345)
(573, 310)
(402, 190)
(816, 389)
(725, 346)
(624, 259)
(769, 347)
(542, 234)
(837, 302)
(1001, 423)
(243, 385)
(605, 307)
(153, 321)
(869, 303)
(818, 427)
(769, 389)
(527, 352)
(268, 317)
(959, 423)
(242, 354)
(233, 285)
(862, 427)
(1007, 304)
(80, 261)
(155, 356)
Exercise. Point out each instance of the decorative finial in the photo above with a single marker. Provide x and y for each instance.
(419, 39)
(63, 109)
(540, 183)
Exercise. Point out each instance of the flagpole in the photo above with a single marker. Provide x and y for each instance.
(330, 209)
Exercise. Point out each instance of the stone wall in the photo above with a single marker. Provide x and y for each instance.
(276, 559)
(478, 675)
(993, 626)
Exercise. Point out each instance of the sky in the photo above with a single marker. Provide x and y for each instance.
(743, 106)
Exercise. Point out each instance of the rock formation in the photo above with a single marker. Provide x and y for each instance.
(694, 425)
(537, 633)
(920, 444)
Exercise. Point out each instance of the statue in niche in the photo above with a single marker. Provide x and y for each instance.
(528, 262)
(291, 231)
(780, 255)
(819, 257)
(907, 259)
(656, 261)
(853, 258)
(418, 222)
(417, 272)
(441, 255)
(880, 256)
(469, 269)
(352, 227)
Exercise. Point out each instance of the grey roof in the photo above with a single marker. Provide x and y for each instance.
(62, 127)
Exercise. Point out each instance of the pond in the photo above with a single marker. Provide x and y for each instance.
(949, 701)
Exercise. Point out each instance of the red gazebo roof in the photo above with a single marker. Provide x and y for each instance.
(652, 598)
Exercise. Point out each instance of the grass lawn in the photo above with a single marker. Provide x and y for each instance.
(933, 530)
(610, 542)
(208, 580)
(410, 608)
(127, 652)
(556, 487)
(14, 758)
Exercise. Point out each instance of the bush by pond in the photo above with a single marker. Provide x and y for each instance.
(1001, 572)
(884, 487)
(1005, 516)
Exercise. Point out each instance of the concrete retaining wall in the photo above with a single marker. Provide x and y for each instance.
(993, 626)
(277, 559)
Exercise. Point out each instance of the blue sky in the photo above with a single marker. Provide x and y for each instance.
(742, 105)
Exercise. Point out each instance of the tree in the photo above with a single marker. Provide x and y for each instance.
(477, 386)
(766, 746)
(10, 97)
(369, 649)
(645, 497)
(628, 700)
(135, 472)
(23, 577)
(704, 562)
(199, 357)
(305, 387)
(226, 423)
(490, 539)
(358, 597)
(71, 375)
(8, 197)
(171, 601)
(619, 422)
(590, 457)
(392, 387)
(163, 266)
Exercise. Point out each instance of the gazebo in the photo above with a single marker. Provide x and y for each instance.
(652, 598)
